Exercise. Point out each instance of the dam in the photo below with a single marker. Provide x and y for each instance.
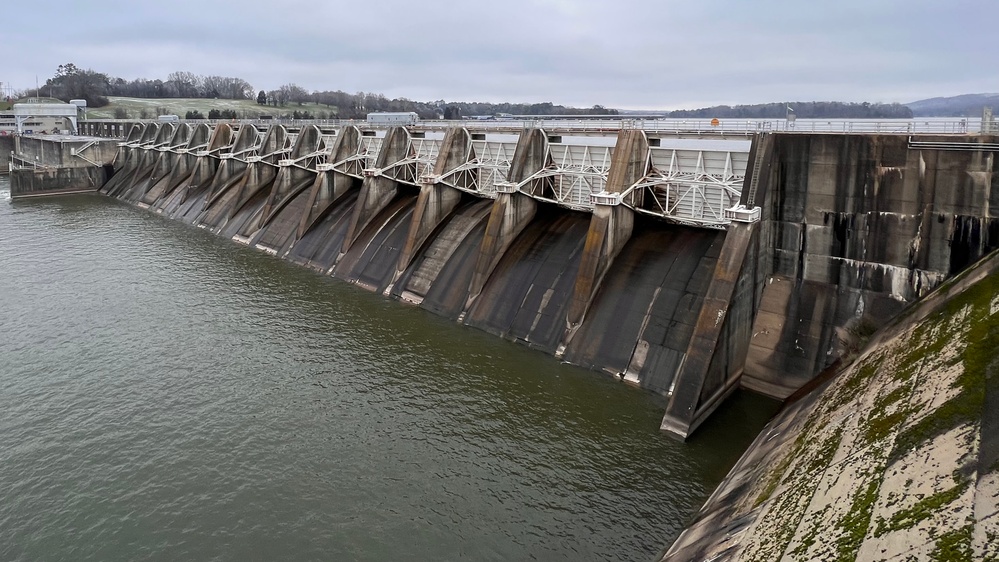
(690, 263)
(170, 394)
(686, 262)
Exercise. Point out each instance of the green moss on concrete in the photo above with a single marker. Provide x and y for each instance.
(811, 535)
(921, 510)
(855, 522)
(824, 453)
(964, 408)
(954, 546)
(982, 343)
(814, 459)
(886, 415)
(880, 426)
(773, 480)
(963, 331)
(856, 382)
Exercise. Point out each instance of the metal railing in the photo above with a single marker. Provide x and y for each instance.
(707, 127)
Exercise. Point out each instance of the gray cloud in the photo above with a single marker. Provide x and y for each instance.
(628, 53)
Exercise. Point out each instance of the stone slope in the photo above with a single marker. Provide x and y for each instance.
(896, 458)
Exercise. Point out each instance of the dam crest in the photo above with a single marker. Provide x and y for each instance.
(688, 264)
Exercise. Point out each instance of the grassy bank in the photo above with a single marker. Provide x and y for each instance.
(245, 109)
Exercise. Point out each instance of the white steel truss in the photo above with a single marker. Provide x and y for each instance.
(694, 187)
(486, 164)
(363, 158)
(573, 174)
(242, 154)
(691, 187)
(419, 162)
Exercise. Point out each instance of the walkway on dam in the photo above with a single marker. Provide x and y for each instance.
(895, 459)
(687, 265)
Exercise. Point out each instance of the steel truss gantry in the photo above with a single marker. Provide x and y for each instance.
(485, 165)
(572, 175)
(694, 187)
(690, 187)
(421, 156)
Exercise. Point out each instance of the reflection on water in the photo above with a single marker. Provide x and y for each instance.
(166, 394)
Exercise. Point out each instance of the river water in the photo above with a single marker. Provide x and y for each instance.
(169, 395)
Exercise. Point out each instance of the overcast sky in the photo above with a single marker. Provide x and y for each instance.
(635, 54)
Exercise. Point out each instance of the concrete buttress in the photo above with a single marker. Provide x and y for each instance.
(378, 191)
(436, 200)
(511, 212)
(610, 225)
(230, 171)
(330, 185)
(709, 371)
(206, 167)
(291, 180)
(261, 172)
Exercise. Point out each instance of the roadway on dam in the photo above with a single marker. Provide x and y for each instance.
(165, 393)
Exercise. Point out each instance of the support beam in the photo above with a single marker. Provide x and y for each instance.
(233, 164)
(330, 185)
(262, 169)
(717, 349)
(436, 200)
(291, 179)
(610, 225)
(205, 163)
(174, 167)
(378, 191)
(511, 211)
(510, 214)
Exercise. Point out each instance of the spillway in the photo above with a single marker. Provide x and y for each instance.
(685, 266)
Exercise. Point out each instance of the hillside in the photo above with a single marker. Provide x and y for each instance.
(802, 109)
(966, 105)
(246, 109)
(895, 459)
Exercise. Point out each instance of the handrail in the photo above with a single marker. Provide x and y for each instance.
(661, 125)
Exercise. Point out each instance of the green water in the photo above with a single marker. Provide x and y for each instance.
(168, 395)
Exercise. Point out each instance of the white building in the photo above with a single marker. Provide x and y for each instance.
(33, 118)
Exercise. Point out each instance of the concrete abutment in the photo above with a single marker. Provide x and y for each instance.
(851, 229)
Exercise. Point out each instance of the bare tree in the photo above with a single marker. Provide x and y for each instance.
(187, 84)
(295, 93)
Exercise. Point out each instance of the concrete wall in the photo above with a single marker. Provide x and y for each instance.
(6, 146)
(61, 150)
(51, 181)
(896, 458)
(854, 228)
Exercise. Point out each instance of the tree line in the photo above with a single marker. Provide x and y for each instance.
(72, 82)
(356, 106)
(802, 109)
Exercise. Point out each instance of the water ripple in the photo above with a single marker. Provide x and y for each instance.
(169, 395)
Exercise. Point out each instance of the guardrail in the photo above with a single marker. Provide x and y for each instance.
(704, 127)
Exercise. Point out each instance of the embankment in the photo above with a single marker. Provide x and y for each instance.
(896, 458)
(6, 147)
(507, 265)
(845, 232)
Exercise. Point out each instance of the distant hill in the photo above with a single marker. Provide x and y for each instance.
(967, 105)
(149, 108)
(802, 109)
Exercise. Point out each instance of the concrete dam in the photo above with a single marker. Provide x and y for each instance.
(688, 264)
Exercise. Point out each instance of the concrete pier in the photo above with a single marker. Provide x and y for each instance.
(683, 265)
(892, 458)
(6, 147)
(53, 164)
(845, 271)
